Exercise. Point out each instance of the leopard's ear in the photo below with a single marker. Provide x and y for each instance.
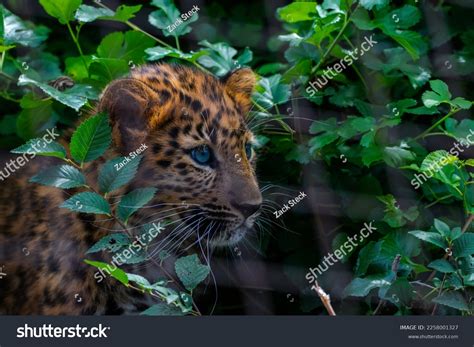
(240, 84)
(128, 102)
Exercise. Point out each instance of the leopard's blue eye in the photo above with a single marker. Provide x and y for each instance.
(202, 155)
(248, 151)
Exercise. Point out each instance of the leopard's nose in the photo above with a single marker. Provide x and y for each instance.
(247, 209)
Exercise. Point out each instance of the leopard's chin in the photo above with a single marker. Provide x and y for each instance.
(230, 238)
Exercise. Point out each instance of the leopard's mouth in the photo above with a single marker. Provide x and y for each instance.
(217, 233)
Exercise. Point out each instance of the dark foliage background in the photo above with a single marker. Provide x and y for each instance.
(352, 147)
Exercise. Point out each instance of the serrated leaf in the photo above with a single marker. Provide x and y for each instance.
(87, 202)
(431, 237)
(123, 13)
(452, 299)
(61, 10)
(158, 52)
(219, 58)
(52, 149)
(75, 101)
(442, 265)
(140, 280)
(17, 31)
(320, 141)
(362, 286)
(162, 310)
(86, 13)
(167, 15)
(464, 245)
(270, 91)
(61, 176)
(190, 271)
(110, 242)
(134, 200)
(91, 139)
(442, 227)
(113, 174)
(116, 273)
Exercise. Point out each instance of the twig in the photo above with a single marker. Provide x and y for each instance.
(440, 291)
(325, 298)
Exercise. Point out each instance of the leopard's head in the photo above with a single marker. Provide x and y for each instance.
(199, 152)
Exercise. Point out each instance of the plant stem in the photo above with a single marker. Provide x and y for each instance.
(452, 112)
(177, 42)
(74, 38)
(333, 43)
(440, 291)
(355, 67)
(325, 298)
(2, 60)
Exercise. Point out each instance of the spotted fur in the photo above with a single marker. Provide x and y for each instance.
(172, 110)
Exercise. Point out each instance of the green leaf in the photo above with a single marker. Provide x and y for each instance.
(162, 310)
(61, 176)
(74, 101)
(36, 116)
(362, 286)
(442, 265)
(91, 139)
(219, 59)
(61, 10)
(117, 273)
(464, 245)
(87, 202)
(158, 52)
(431, 237)
(442, 227)
(110, 243)
(17, 31)
(396, 156)
(320, 141)
(297, 12)
(190, 271)
(369, 4)
(452, 299)
(52, 149)
(87, 13)
(366, 256)
(441, 88)
(167, 15)
(469, 198)
(400, 292)
(440, 94)
(329, 124)
(130, 46)
(270, 91)
(134, 200)
(462, 103)
(113, 175)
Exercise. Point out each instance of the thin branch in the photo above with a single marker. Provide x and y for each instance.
(325, 298)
